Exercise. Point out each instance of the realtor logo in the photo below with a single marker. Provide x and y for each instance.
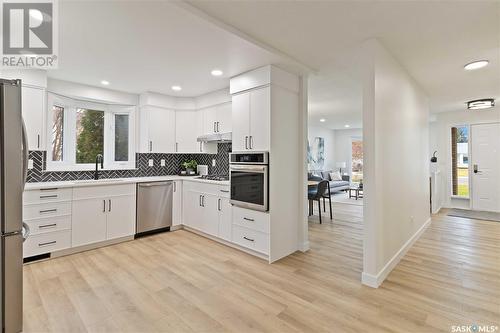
(29, 31)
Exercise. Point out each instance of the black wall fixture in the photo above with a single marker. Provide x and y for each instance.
(434, 159)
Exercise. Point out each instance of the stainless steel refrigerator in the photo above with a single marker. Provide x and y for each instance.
(13, 172)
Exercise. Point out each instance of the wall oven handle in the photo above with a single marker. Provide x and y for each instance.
(249, 168)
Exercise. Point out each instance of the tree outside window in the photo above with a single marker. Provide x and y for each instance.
(89, 135)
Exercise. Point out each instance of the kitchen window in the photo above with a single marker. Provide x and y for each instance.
(80, 130)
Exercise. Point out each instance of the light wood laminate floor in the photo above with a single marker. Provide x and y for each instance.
(181, 282)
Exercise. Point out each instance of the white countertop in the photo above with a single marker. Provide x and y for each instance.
(117, 181)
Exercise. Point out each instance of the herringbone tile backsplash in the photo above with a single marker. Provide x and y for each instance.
(172, 166)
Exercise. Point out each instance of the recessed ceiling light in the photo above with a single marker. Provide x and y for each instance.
(476, 65)
(347, 126)
(176, 88)
(322, 120)
(478, 104)
(104, 82)
(216, 72)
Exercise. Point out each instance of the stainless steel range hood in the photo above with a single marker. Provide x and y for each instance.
(216, 137)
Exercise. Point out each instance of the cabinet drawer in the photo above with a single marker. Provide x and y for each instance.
(251, 239)
(205, 188)
(31, 212)
(223, 191)
(47, 195)
(51, 224)
(251, 219)
(90, 192)
(47, 242)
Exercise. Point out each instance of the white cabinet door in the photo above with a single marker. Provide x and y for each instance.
(185, 131)
(224, 118)
(209, 120)
(240, 121)
(177, 203)
(225, 219)
(260, 118)
(209, 221)
(161, 130)
(120, 216)
(88, 221)
(33, 110)
(192, 209)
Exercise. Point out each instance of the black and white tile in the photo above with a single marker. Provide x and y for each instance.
(172, 166)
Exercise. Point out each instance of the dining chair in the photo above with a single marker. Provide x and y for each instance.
(316, 194)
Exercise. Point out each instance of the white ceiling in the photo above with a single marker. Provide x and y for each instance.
(431, 39)
(143, 46)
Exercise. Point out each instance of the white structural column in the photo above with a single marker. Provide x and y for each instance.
(396, 169)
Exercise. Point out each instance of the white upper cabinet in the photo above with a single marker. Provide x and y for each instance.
(241, 121)
(186, 131)
(224, 118)
(251, 117)
(33, 110)
(209, 120)
(159, 133)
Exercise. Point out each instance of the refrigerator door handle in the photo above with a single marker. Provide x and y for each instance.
(26, 231)
(25, 154)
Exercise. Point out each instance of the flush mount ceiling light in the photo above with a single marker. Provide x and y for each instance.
(105, 83)
(347, 126)
(476, 65)
(479, 104)
(322, 120)
(176, 88)
(216, 72)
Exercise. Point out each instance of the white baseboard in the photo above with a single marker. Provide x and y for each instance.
(375, 281)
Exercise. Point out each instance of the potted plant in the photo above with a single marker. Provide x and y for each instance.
(190, 166)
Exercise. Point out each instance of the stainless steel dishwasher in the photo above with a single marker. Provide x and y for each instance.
(154, 207)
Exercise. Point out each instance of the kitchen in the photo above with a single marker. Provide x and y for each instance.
(104, 166)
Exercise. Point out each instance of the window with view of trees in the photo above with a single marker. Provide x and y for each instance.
(82, 130)
(460, 161)
(89, 135)
(357, 160)
(57, 132)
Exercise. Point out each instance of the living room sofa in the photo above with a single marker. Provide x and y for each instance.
(335, 185)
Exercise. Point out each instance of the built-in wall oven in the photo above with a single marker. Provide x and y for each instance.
(249, 173)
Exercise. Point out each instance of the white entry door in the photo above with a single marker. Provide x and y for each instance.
(485, 167)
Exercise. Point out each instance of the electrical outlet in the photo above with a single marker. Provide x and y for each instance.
(30, 164)
(162, 162)
(151, 162)
(213, 162)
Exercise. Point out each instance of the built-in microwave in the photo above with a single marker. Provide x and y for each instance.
(248, 175)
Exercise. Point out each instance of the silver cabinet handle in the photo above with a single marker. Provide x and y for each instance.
(250, 142)
(52, 196)
(48, 211)
(47, 226)
(25, 153)
(177, 146)
(249, 239)
(218, 127)
(175, 187)
(104, 206)
(219, 206)
(246, 142)
(49, 189)
(45, 244)
(109, 202)
(203, 201)
(247, 219)
(150, 146)
(214, 128)
(199, 201)
(38, 140)
(224, 191)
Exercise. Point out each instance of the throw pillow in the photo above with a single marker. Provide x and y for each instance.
(335, 175)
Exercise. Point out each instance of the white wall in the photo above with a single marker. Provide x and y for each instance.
(440, 136)
(343, 147)
(329, 136)
(396, 151)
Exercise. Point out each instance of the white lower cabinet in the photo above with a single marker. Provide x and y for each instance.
(177, 204)
(251, 229)
(207, 209)
(88, 221)
(102, 213)
(225, 219)
(46, 242)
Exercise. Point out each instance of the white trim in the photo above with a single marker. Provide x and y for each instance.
(375, 281)
(305, 246)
